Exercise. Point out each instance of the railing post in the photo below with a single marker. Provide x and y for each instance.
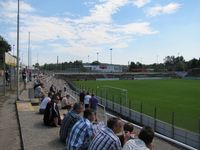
(155, 118)
(113, 103)
(130, 107)
(141, 112)
(173, 124)
(120, 101)
(199, 133)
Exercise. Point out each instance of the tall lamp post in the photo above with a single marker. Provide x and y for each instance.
(97, 56)
(88, 58)
(18, 50)
(29, 51)
(111, 56)
(13, 49)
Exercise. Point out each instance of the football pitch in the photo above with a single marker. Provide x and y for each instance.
(173, 95)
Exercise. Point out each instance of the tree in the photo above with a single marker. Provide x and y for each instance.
(37, 65)
(95, 63)
(4, 46)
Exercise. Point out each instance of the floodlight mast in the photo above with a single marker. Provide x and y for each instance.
(18, 51)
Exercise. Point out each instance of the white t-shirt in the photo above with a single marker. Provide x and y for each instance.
(87, 99)
(135, 144)
(44, 102)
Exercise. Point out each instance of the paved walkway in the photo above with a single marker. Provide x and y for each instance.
(37, 136)
(9, 129)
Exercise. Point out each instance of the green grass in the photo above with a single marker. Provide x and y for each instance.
(179, 96)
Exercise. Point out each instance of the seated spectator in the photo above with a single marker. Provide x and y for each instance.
(87, 100)
(128, 133)
(143, 142)
(82, 132)
(52, 114)
(39, 91)
(66, 102)
(59, 94)
(107, 139)
(44, 103)
(69, 120)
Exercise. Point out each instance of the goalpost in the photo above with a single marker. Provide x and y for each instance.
(118, 95)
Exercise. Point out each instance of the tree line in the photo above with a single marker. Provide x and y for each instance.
(171, 63)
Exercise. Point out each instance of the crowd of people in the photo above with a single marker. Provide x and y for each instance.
(79, 127)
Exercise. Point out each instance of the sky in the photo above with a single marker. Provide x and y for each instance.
(110, 31)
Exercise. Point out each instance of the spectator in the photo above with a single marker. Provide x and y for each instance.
(44, 103)
(82, 132)
(87, 100)
(143, 142)
(82, 96)
(107, 139)
(65, 89)
(30, 75)
(52, 89)
(128, 133)
(52, 114)
(66, 102)
(24, 72)
(93, 105)
(39, 91)
(69, 120)
(7, 76)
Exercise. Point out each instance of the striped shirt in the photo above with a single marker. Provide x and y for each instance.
(80, 135)
(105, 140)
(68, 122)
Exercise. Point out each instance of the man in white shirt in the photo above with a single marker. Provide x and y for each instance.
(44, 102)
(143, 142)
(87, 100)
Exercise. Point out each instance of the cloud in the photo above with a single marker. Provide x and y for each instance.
(77, 36)
(158, 10)
(140, 3)
(9, 9)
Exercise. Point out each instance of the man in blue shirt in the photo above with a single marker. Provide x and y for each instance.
(107, 139)
(69, 120)
(82, 132)
(93, 104)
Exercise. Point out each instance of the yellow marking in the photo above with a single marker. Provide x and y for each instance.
(26, 106)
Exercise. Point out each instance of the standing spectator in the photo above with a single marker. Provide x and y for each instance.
(87, 100)
(93, 103)
(82, 132)
(24, 77)
(65, 89)
(7, 76)
(44, 103)
(69, 120)
(107, 139)
(82, 96)
(52, 114)
(30, 75)
(143, 142)
(52, 89)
